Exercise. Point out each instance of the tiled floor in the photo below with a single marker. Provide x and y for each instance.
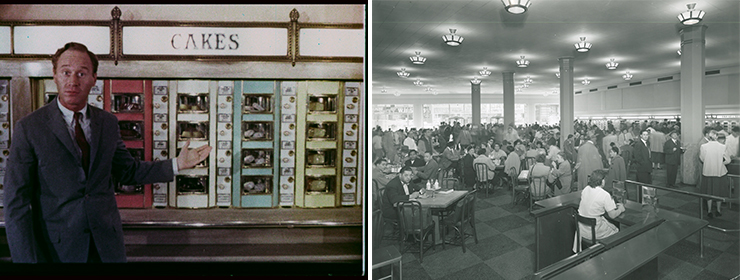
(505, 248)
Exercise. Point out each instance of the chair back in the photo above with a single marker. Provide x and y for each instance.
(591, 222)
(481, 172)
(538, 187)
(377, 228)
(469, 207)
(448, 183)
(411, 217)
(529, 162)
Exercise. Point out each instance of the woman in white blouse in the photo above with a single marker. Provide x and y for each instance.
(595, 202)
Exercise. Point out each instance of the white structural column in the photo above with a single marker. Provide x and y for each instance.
(692, 105)
(509, 98)
(475, 101)
(418, 115)
(566, 97)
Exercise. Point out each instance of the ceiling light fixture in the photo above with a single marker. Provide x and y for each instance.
(418, 83)
(627, 76)
(585, 82)
(522, 62)
(429, 88)
(691, 16)
(528, 80)
(525, 85)
(453, 39)
(403, 73)
(383, 90)
(678, 52)
(435, 92)
(484, 72)
(611, 65)
(475, 81)
(418, 59)
(557, 74)
(396, 93)
(516, 6)
(583, 46)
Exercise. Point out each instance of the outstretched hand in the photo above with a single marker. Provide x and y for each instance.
(188, 158)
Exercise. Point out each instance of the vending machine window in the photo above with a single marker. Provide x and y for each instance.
(321, 158)
(257, 104)
(256, 185)
(127, 103)
(131, 130)
(257, 131)
(188, 130)
(49, 97)
(257, 158)
(192, 103)
(322, 104)
(320, 184)
(189, 184)
(321, 131)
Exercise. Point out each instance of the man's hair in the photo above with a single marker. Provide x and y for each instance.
(596, 177)
(405, 168)
(615, 149)
(481, 151)
(380, 160)
(76, 47)
(736, 129)
(539, 158)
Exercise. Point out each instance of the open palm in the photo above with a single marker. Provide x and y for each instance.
(188, 158)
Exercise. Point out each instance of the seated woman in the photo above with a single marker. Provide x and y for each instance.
(497, 152)
(595, 202)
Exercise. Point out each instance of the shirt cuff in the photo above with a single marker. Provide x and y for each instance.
(175, 168)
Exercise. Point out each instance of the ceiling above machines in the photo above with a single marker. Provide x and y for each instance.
(641, 36)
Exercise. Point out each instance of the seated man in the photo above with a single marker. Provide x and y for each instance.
(539, 169)
(426, 172)
(490, 166)
(513, 160)
(382, 173)
(399, 189)
(449, 158)
(414, 159)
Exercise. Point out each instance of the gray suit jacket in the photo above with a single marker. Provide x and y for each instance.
(51, 208)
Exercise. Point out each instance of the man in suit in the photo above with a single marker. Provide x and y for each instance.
(449, 158)
(60, 203)
(589, 159)
(399, 189)
(426, 172)
(414, 160)
(641, 158)
(672, 150)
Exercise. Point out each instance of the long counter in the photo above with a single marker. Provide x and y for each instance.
(645, 232)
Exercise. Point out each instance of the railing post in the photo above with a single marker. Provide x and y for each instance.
(701, 231)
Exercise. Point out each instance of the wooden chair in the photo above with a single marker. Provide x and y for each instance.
(393, 223)
(415, 224)
(517, 188)
(538, 190)
(383, 257)
(461, 218)
(591, 222)
(529, 162)
(481, 176)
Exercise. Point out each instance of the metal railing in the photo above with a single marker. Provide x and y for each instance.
(701, 197)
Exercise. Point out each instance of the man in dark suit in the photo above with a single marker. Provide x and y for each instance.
(641, 158)
(414, 159)
(672, 150)
(60, 203)
(399, 189)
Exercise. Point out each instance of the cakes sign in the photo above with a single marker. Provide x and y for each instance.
(164, 40)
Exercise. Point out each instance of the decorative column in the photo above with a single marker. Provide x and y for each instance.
(475, 101)
(692, 105)
(566, 97)
(508, 98)
(418, 115)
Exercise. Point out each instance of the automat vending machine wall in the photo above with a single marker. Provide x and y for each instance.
(131, 102)
(160, 136)
(193, 117)
(352, 188)
(318, 144)
(4, 131)
(255, 185)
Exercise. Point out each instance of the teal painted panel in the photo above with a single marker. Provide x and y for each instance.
(259, 87)
(258, 117)
(257, 171)
(258, 145)
(257, 201)
(236, 144)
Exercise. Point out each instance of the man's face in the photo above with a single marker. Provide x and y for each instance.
(383, 166)
(406, 176)
(413, 154)
(427, 157)
(74, 78)
(645, 135)
(674, 136)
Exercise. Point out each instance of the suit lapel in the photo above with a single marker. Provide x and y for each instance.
(55, 122)
(95, 127)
